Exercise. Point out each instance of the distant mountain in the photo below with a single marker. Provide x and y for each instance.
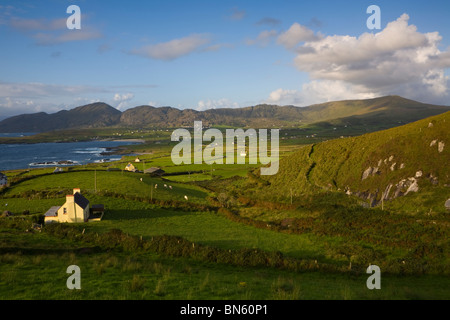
(89, 116)
(385, 112)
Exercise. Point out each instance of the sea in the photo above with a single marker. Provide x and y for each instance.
(25, 156)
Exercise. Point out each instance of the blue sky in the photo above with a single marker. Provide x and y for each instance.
(211, 54)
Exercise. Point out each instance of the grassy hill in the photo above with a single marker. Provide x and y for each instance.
(381, 165)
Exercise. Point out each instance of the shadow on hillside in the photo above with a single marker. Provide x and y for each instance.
(114, 215)
(47, 251)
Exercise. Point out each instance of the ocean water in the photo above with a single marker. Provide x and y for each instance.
(24, 156)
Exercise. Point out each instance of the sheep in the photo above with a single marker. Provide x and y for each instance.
(186, 197)
(156, 186)
(140, 179)
(170, 187)
(165, 186)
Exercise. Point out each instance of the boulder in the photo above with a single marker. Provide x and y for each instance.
(441, 146)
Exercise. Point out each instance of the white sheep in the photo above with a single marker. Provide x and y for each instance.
(170, 187)
(186, 197)
(165, 186)
(156, 186)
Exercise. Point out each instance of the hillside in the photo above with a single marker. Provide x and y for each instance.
(408, 160)
(366, 115)
(89, 116)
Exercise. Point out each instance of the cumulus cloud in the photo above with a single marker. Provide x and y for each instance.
(295, 35)
(397, 60)
(122, 100)
(318, 92)
(173, 49)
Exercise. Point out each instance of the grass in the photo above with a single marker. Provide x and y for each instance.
(328, 227)
(41, 274)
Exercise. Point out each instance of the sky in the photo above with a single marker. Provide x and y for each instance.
(207, 54)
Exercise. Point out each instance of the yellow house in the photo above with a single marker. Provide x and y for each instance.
(130, 168)
(75, 210)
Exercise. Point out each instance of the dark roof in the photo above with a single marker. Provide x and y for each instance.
(81, 201)
(154, 170)
(52, 212)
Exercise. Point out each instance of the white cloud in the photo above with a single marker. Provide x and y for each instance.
(397, 60)
(173, 49)
(318, 92)
(295, 35)
(122, 100)
(216, 104)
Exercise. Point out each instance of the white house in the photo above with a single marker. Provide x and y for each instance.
(75, 210)
(3, 180)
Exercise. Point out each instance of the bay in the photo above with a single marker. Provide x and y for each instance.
(24, 156)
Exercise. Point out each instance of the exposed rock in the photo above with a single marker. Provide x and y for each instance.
(391, 158)
(387, 191)
(414, 187)
(430, 125)
(434, 180)
(433, 143)
(379, 163)
(367, 173)
(441, 146)
(406, 186)
(402, 166)
(419, 174)
(393, 167)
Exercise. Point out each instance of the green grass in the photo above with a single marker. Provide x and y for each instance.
(33, 266)
(124, 183)
(325, 226)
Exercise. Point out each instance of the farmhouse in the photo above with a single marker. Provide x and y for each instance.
(154, 171)
(130, 168)
(76, 209)
(3, 180)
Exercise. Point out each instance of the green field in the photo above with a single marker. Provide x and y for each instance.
(232, 238)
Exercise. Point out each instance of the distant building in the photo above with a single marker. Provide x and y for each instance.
(3, 180)
(130, 168)
(137, 160)
(155, 171)
(58, 170)
(76, 209)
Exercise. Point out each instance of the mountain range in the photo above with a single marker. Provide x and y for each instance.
(383, 112)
